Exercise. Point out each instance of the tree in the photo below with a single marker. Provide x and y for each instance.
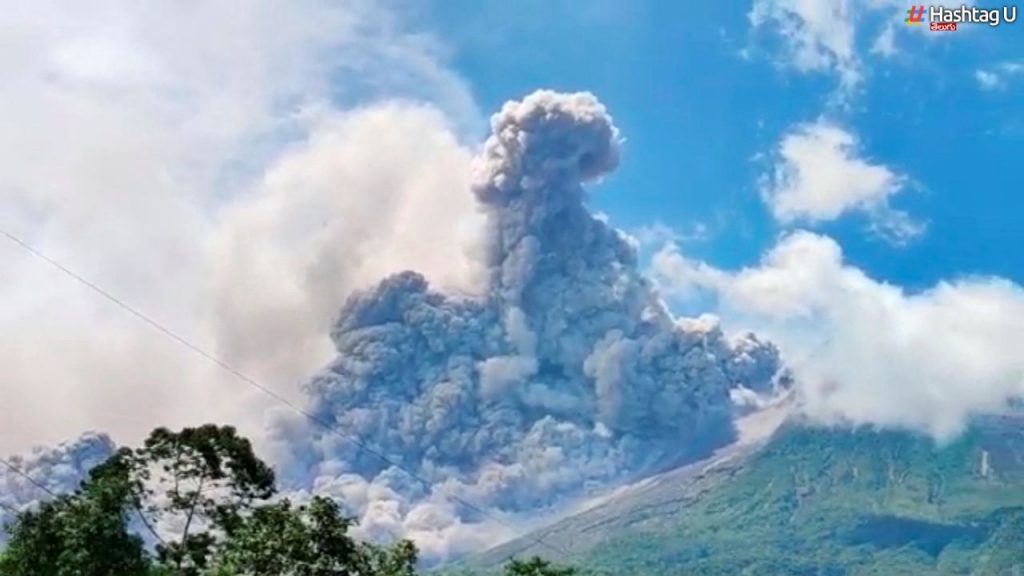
(311, 540)
(210, 482)
(203, 478)
(83, 534)
(396, 560)
(537, 567)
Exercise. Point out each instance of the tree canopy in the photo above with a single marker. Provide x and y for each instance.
(208, 482)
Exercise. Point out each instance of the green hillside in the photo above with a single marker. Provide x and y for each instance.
(815, 502)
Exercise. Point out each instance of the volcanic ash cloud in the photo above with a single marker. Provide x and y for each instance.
(567, 374)
(47, 471)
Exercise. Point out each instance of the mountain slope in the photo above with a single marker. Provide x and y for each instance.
(810, 502)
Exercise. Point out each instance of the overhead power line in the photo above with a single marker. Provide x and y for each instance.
(107, 295)
(26, 476)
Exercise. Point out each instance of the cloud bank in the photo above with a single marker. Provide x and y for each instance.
(866, 352)
(233, 169)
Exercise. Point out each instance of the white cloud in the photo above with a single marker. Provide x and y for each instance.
(885, 43)
(819, 35)
(819, 175)
(360, 199)
(867, 352)
(895, 226)
(999, 76)
(657, 234)
(987, 80)
(682, 277)
(827, 35)
(152, 148)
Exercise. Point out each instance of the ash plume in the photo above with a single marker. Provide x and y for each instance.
(47, 471)
(568, 374)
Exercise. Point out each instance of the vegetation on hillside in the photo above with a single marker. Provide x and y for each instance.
(817, 502)
(811, 503)
(210, 485)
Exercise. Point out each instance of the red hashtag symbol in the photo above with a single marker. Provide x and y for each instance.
(915, 15)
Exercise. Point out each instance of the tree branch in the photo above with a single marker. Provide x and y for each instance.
(191, 514)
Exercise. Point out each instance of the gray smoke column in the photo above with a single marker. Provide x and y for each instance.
(568, 374)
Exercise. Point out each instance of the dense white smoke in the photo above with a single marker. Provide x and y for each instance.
(569, 373)
(233, 169)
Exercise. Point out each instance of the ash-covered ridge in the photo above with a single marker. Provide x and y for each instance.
(568, 373)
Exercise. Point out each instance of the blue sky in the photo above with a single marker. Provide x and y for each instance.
(138, 140)
(703, 97)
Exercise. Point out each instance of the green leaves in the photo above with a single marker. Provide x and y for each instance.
(206, 478)
(36, 544)
(311, 540)
(537, 567)
(211, 482)
(79, 535)
(211, 453)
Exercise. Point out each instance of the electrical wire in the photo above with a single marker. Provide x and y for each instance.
(238, 374)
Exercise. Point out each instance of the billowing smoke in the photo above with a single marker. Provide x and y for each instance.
(47, 471)
(565, 374)
(568, 374)
(232, 177)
